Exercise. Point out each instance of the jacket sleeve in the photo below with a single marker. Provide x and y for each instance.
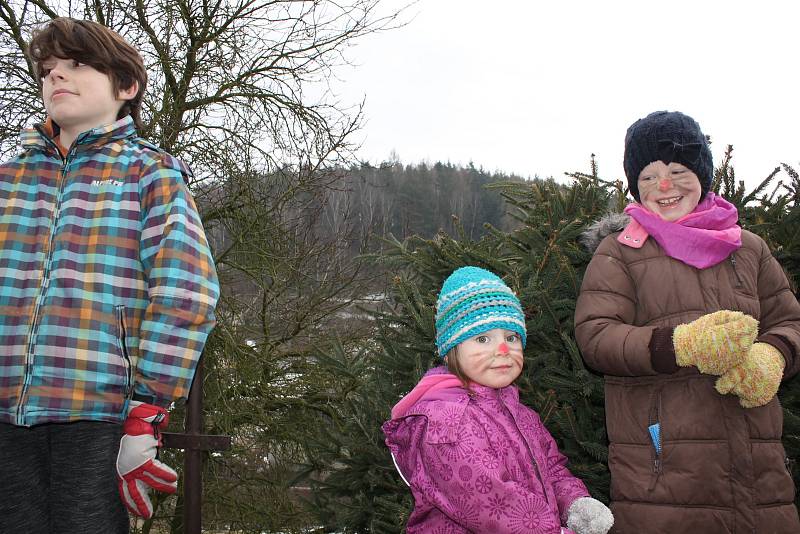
(604, 316)
(182, 284)
(463, 482)
(567, 486)
(779, 324)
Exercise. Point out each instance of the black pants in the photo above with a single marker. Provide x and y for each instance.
(60, 479)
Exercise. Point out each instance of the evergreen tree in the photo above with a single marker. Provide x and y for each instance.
(772, 211)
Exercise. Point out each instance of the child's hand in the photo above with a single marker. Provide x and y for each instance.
(716, 342)
(589, 516)
(755, 381)
(138, 470)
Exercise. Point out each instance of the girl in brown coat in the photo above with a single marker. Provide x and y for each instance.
(693, 324)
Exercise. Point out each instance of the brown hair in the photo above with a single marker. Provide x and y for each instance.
(453, 365)
(98, 46)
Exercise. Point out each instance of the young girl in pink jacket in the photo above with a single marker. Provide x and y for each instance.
(476, 459)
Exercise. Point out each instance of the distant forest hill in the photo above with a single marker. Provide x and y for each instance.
(421, 199)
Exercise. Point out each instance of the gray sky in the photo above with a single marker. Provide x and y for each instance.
(535, 86)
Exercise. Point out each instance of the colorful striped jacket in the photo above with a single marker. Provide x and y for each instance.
(107, 285)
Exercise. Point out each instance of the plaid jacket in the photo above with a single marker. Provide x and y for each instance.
(107, 285)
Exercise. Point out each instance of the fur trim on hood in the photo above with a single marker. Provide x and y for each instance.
(605, 226)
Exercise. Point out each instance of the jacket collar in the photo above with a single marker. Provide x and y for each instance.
(40, 136)
(445, 408)
(606, 225)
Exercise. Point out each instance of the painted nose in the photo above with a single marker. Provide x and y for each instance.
(664, 185)
(503, 348)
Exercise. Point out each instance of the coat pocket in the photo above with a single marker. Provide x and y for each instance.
(122, 339)
(656, 434)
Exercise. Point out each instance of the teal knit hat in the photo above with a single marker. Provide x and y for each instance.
(472, 301)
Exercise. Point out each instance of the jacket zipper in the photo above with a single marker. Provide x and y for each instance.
(732, 258)
(527, 446)
(123, 337)
(45, 282)
(658, 449)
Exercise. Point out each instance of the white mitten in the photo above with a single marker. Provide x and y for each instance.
(589, 516)
(137, 467)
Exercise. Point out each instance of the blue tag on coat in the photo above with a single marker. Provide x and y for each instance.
(655, 435)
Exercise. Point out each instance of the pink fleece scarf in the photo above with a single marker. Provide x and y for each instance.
(425, 387)
(701, 239)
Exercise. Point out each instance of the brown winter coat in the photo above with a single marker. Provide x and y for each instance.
(722, 468)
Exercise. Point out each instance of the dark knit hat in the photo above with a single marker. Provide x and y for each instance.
(668, 136)
(473, 301)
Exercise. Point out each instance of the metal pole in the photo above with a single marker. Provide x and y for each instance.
(194, 442)
(193, 459)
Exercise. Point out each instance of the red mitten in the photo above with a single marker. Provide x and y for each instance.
(137, 467)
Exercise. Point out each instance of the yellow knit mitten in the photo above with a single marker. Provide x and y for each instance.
(756, 380)
(716, 342)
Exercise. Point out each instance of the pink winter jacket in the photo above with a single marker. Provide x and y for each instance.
(480, 463)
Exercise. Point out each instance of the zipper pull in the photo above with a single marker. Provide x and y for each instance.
(655, 436)
(735, 272)
(656, 473)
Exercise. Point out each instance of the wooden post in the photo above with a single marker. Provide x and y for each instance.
(194, 442)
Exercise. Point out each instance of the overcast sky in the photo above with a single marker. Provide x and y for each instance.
(534, 87)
